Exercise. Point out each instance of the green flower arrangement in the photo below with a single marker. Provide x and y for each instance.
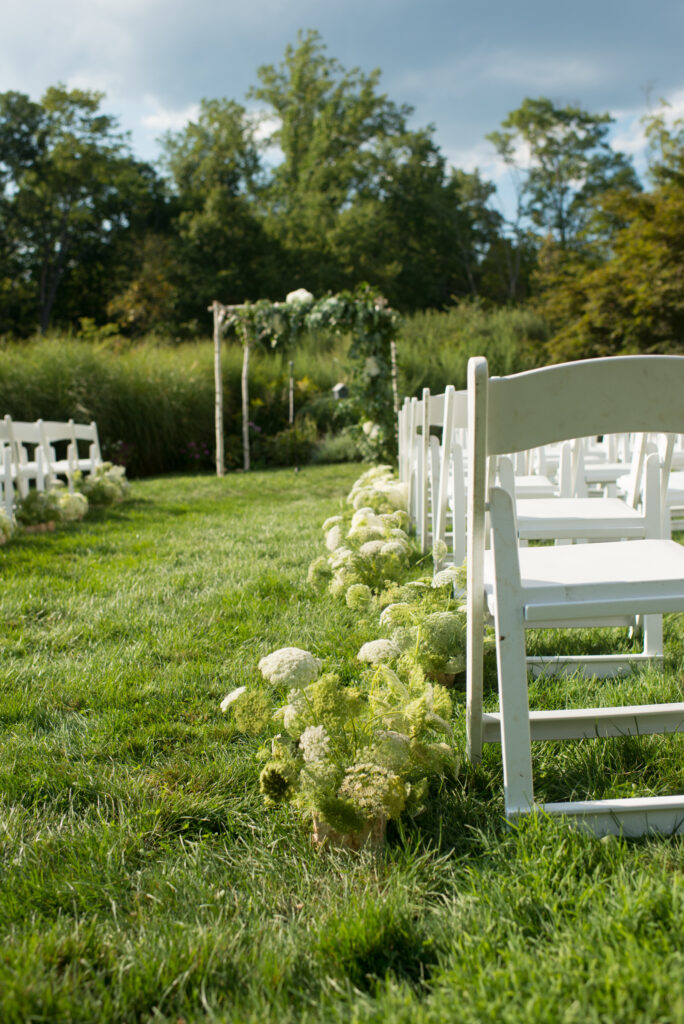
(369, 547)
(106, 486)
(350, 757)
(72, 506)
(38, 509)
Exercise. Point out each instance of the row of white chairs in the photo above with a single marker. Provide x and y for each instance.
(465, 457)
(40, 453)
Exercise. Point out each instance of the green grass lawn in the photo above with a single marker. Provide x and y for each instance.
(141, 877)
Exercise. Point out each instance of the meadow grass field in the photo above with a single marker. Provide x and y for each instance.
(142, 878)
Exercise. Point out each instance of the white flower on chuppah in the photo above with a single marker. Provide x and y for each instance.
(299, 295)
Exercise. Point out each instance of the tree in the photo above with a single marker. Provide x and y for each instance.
(633, 302)
(222, 251)
(565, 162)
(624, 293)
(69, 185)
(358, 195)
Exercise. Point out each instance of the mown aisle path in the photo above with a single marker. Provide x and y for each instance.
(142, 879)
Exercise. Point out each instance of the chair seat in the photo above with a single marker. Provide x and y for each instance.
(533, 486)
(576, 582)
(566, 518)
(675, 489)
(605, 472)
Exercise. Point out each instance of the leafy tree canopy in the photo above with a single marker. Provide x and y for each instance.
(565, 162)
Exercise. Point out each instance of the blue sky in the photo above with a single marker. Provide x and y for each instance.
(462, 66)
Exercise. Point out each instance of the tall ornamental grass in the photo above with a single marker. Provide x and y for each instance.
(434, 348)
(154, 405)
(154, 402)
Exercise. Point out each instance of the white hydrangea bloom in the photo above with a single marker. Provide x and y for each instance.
(314, 743)
(292, 711)
(376, 651)
(395, 547)
(72, 506)
(290, 665)
(333, 537)
(376, 472)
(340, 557)
(396, 493)
(330, 522)
(232, 697)
(364, 516)
(399, 534)
(445, 577)
(371, 548)
(338, 584)
(398, 614)
(439, 551)
(361, 534)
(371, 430)
(371, 367)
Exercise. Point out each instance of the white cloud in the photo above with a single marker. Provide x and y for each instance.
(629, 135)
(165, 119)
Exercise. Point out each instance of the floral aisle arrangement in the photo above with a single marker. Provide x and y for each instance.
(38, 511)
(106, 486)
(6, 526)
(72, 506)
(352, 756)
(369, 546)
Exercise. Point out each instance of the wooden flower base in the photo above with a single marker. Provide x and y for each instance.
(372, 837)
(40, 527)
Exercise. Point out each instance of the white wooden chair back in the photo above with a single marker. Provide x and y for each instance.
(86, 434)
(640, 576)
(449, 509)
(28, 454)
(545, 406)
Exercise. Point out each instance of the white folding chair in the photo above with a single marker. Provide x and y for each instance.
(423, 474)
(545, 587)
(7, 467)
(55, 435)
(86, 434)
(28, 454)
(449, 510)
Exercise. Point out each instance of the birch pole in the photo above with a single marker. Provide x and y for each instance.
(291, 392)
(245, 399)
(219, 316)
(395, 382)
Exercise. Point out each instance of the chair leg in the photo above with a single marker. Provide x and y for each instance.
(511, 661)
(653, 635)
